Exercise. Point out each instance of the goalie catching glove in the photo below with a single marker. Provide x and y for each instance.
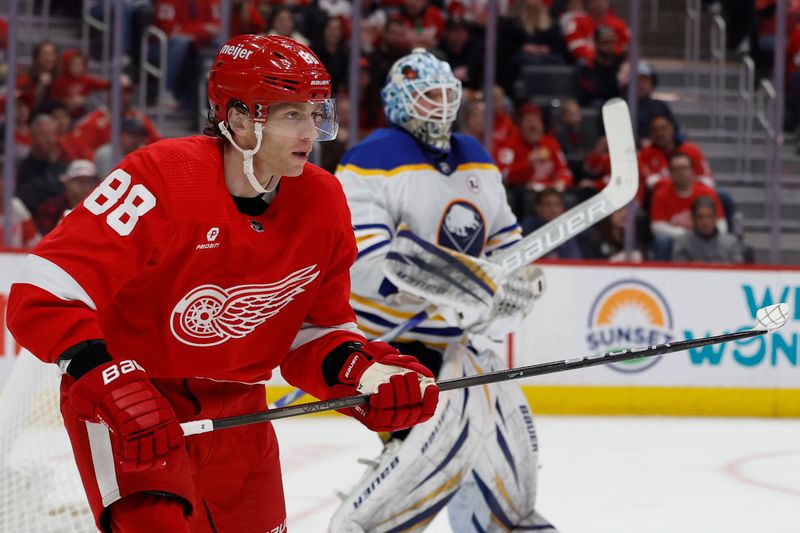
(144, 431)
(472, 294)
(402, 391)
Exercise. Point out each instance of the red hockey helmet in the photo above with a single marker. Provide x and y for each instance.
(257, 70)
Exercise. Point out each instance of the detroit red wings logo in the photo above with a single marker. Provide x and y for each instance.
(209, 315)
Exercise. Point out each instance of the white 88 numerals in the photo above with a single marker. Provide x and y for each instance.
(125, 215)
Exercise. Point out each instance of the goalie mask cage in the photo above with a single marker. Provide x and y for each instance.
(40, 489)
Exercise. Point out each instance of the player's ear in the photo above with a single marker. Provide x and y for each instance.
(239, 121)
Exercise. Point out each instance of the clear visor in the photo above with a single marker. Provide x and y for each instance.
(437, 102)
(317, 120)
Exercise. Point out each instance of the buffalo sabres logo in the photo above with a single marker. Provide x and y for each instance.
(209, 315)
(462, 228)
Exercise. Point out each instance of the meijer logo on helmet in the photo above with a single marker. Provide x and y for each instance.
(237, 52)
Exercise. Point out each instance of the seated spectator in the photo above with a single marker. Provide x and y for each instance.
(38, 174)
(373, 21)
(575, 138)
(660, 146)
(246, 18)
(70, 148)
(647, 106)
(598, 79)
(704, 243)
(79, 180)
(533, 160)
(670, 210)
(281, 22)
(505, 130)
(392, 45)
(74, 83)
(23, 229)
(535, 36)
(36, 81)
(580, 26)
(94, 130)
(22, 128)
(464, 55)
(189, 25)
(331, 49)
(424, 23)
(132, 136)
(606, 240)
(471, 118)
(330, 152)
(369, 98)
(548, 205)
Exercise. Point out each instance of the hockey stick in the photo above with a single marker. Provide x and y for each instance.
(617, 194)
(769, 318)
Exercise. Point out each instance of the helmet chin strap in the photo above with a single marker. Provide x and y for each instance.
(249, 169)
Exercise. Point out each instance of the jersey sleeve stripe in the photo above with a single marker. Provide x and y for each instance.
(48, 276)
(370, 249)
(514, 228)
(439, 331)
(377, 172)
(360, 227)
(310, 333)
(383, 308)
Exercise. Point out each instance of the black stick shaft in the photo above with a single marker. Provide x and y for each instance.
(494, 377)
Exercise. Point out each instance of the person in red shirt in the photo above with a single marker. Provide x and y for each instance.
(74, 84)
(196, 277)
(671, 206)
(579, 27)
(94, 130)
(662, 143)
(425, 23)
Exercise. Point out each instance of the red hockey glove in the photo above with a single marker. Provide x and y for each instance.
(402, 391)
(144, 431)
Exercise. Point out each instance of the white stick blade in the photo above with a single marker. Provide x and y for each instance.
(622, 150)
(772, 317)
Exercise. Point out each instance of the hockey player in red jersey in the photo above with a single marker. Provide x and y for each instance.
(196, 268)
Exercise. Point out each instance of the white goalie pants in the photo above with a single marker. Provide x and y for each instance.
(477, 456)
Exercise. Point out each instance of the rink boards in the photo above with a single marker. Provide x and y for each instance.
(595, 308)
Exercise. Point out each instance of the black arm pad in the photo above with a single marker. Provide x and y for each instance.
(335, 360)
(83, 357)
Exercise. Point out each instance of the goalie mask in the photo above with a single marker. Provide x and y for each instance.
(422, 96)
(256, 73)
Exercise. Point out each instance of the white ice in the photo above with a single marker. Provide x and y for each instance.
(598, 474)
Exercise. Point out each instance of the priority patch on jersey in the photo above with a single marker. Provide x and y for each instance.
(462, 228)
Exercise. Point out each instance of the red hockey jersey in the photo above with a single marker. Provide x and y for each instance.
(159, 262)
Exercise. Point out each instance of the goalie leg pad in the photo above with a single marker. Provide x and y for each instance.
(499, 494)
(414, 478)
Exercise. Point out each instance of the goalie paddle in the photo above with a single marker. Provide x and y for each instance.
(620, 190)
(769, 318)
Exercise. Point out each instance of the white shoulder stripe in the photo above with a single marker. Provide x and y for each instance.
(50, 277)
(310, 333)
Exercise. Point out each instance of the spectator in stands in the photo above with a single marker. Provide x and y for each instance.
(94, 130)
(38, 174)
(74, 83)
(369, 98)
(598, 79)
(574, 137)
(704, 242)
(392, 45)
(580, 26)
(662, 143)
(606, 240)
(132, 136)
(281, 22)
(424, 23)
(330, 152)
(23, 230)
(35, 83)
(464, 55)
(537, 36)
(373, 21)
(647, 106)
(69, 148)
(332, 50)
(670, 210)
(548, 204)
(533, 160)
(79, 180)
(22, 128)
(471, 119)
(246, 18)
(505, 130)
(189, 25)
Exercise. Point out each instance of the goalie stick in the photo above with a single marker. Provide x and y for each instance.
(768, 319)
(617, 194)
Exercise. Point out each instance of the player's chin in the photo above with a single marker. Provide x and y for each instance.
(297, 161)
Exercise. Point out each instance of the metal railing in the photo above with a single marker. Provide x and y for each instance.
(691, 45)
(744, 122)
(158, 71)
(717, 74)
(103, 26)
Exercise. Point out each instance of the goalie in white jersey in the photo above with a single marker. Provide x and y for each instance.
(421, 196)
